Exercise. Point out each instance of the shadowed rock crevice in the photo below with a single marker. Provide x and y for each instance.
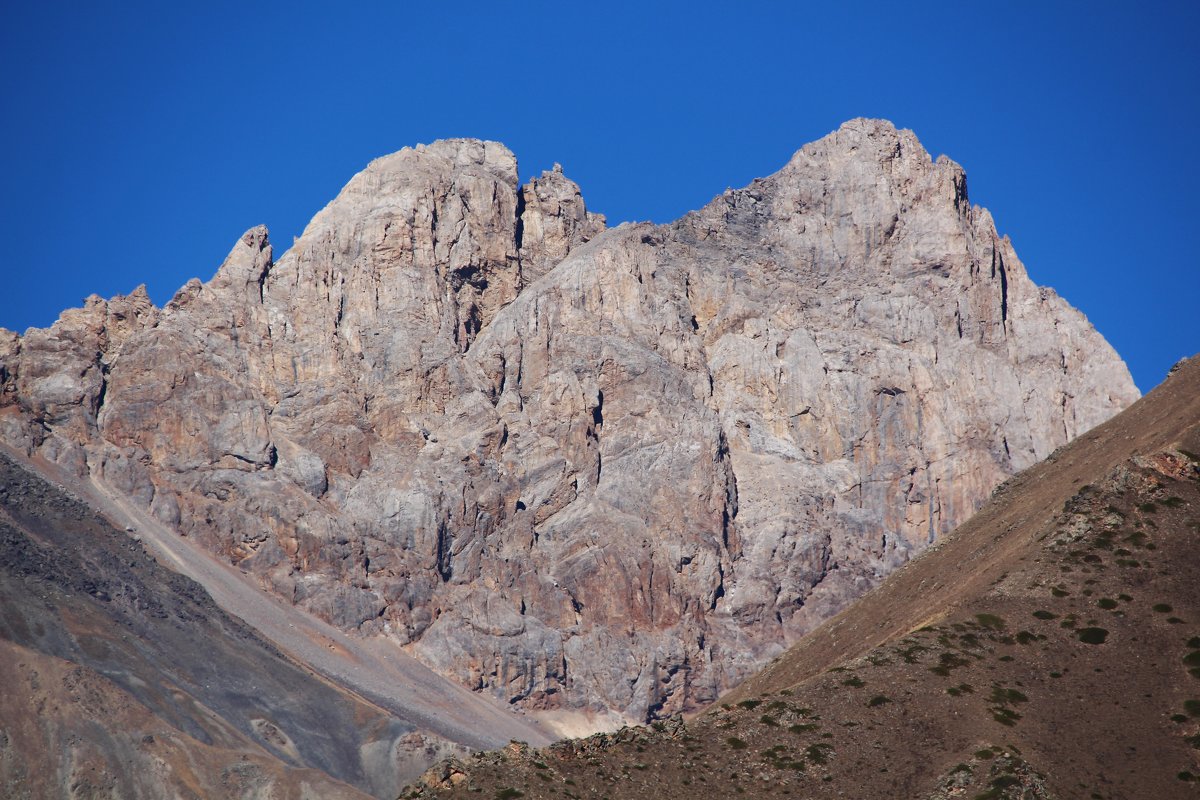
(445, 541)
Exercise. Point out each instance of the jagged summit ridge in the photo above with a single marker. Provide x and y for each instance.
(591, 473)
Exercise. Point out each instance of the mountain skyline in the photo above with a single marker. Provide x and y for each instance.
(597, 473)
(383, 386)
(148, 140)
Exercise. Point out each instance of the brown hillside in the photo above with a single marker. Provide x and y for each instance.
(120, 678)
(1048, 648)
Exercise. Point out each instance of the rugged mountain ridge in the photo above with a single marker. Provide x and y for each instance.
(591, 472)
(1047, 648)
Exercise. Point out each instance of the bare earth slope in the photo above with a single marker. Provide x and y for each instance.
(1049, 648)
(124, 679)
(604, 475)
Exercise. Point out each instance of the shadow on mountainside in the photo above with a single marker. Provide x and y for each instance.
(126, 677)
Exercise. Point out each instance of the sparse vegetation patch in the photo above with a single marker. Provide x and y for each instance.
(990, 622)
(818, 753)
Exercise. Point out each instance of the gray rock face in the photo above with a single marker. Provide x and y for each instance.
(598, 473)
(553, 221)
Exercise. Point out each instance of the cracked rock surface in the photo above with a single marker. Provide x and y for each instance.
(602, 474)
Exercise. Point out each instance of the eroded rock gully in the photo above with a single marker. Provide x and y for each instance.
(603, 473)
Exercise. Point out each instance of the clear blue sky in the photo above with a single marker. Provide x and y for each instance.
(140, 140)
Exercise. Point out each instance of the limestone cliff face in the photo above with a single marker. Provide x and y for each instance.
(607, 472)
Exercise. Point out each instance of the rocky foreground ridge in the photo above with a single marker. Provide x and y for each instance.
(593, 472)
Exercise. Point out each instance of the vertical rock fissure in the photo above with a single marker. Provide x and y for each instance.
(729, 508)
(598, 411)
(719, 592)
(519, 226)
(445, 539)
(261, 280)
(594, 431)
(102, 393)
(1003, 292)
(341, 312)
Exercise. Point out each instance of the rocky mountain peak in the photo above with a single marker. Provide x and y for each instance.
(866, 146)
(416, 177)
(247, 263)
(443, 161)
(553, 221)
(601, 476)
